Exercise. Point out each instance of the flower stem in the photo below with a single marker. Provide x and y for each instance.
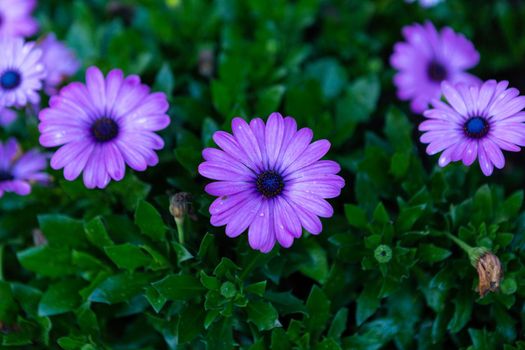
(459, 242)
(180, 230)
(474, 253)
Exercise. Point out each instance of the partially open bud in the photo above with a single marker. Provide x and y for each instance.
(181, 205)
(490, 273)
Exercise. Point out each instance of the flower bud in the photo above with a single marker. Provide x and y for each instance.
(181, 205)
(383, 253)
(490, 273)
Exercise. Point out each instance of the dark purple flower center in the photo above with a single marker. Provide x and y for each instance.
(6, 175)
(104, 129)
(270, 183)
(476, 127)
(10, 79)
(437, 72)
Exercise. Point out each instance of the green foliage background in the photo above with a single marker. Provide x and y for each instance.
(113, 275)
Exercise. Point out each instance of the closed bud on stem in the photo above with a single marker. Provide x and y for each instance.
(180, 207)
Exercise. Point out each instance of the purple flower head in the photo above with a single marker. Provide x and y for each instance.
(18, 170)
(478, 122)
(59, 60)
(15, 18)
(271, 181)
(103, 125)
(7, 116)
(21, 72)
(427, 58)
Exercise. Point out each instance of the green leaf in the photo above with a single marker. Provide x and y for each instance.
(182, 253)
(367, 302)
(408, 217)
(512, 204)
(399, 164)
(220, 335)
(279, 340)
(119, 288)
(221, 97)
(269, 99)
(150, 221)
(191, 323)
(188, 158)
(159, 261)
(164, 80)
(8, 309)
(86, 262)
(127, 256)
(256, 288)
(47, 261)
(330, 74)
(462, 311)
(179, 287)
(318, 308)
(97, 234)
(155, 299)
(315, 262)
(338, 324)
(286, 303)
(431, 253)
(263, 315)
(483, 204)
(209, 127)
(355, 107)
(508, 286)
(60, 298)
(209, 282)
(356, 216)
(328, 344)
(61, 230)
(398, 130)
(130, 190)
(381, 215)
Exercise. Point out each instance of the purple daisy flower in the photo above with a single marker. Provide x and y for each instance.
(478, 122)
(54, 51)
(103, 125)
(21, 72)
(271, 181)
(18, 170)
(7, 116)
(426, 59)
(15, 18)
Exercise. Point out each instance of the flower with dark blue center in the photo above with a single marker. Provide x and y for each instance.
(21, 72)
(475, 122)
(270, 181)
(426, 58)
(114, 125)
